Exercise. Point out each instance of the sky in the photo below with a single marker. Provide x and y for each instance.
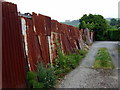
(62, 10)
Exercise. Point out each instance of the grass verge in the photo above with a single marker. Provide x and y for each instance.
(103, 60)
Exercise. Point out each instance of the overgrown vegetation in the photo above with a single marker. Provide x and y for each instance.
(65, 63)
(96, 23)
(103, 59)
(47, 77)
(113, 31)
(104, 30)
(43, 78)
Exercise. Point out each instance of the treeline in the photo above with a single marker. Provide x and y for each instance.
(103, 29)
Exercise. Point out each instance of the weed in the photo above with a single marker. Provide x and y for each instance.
(103, 59)
(43, 78)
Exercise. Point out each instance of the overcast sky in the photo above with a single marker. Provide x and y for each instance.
(62, 10)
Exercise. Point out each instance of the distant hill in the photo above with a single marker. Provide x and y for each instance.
(109, 19)
(76, 22)
(73, 23)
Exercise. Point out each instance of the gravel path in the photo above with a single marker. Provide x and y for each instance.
(86, 77)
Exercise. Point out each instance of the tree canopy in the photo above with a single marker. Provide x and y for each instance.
(113, 22)
(97, 23)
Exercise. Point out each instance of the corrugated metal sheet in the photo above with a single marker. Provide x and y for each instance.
(0, 45)
(50, 32)
(48, 25)
(33, 47)
(13, 61)
(54, 38)
(39, 42)
(39, 24)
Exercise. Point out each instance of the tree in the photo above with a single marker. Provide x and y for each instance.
(97, 23)
(113, 22)
(83, 25)
(90, 26)
(118, 24)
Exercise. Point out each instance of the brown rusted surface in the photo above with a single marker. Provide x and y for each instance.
(54, 38)
(34, 51)
(13, 61)
(42, 28)
(39, 24)
(54, 27)
(41, 41)
(0, 45)
(45, 49)
(69, 37)
(48, 25)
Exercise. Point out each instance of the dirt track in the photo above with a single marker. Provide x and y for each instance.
(86, 77)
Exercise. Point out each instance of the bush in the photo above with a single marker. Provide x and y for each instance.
(46, 76)
(32, 80)
(65, 63)
(43, 78)
(114, 35)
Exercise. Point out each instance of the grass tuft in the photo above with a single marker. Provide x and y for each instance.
(103, 60)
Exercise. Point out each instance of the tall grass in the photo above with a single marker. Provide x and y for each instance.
(103, 59)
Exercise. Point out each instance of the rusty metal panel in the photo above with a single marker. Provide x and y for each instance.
(48, 25)
(39, 24)
(54, 38)
(41, 21)
(80, 40)
(66, 44)
(13, 61)
(0, 45)
(40, 28)
(59, 27)
(64, 28)
(33, 46)
(45, 49)
(54, 27)
(91, 36)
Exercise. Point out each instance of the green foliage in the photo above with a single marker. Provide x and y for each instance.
(96, 23)
(91, 26)
(103, 59)
(113, 22)
(113, 34)
(43, 78)
(46, 76)
(32, 80)
(83, 25)
(65, 63)
(118, 24)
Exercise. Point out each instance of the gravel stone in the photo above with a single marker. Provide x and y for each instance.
(86, 77)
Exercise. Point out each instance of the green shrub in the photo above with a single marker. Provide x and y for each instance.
(43, 78)
(46, 76)
(114, 35)
(32, 80)
(82, 52)
(65, 63)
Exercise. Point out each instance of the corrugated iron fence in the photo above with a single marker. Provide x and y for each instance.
(37, 38)
(42, 35)
(13, 61)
